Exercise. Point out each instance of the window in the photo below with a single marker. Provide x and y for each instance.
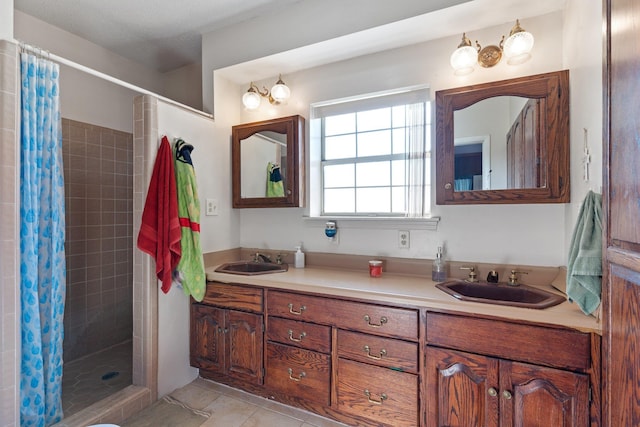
(375, 155)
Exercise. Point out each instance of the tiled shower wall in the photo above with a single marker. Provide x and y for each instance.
(98, 168)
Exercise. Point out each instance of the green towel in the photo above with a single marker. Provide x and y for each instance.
(190, 269)
(275, 187)
(584, 267)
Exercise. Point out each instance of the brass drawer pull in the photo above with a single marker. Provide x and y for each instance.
(383, 397)
(492, 392)
(367, 350)
(292, 311)
(291, 338)
(383, 320)
(301, 376)
(506, 394)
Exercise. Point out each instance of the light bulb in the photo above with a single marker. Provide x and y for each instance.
(280, 92)
(517, 48)
(463, 59)
(251, 100)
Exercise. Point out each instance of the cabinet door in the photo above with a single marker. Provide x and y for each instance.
(207, 339)
(462, 389)
(532, 396)
(245, 343)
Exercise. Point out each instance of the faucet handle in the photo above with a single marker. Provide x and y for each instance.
(279, 258)
(473, 276)
(513, 277)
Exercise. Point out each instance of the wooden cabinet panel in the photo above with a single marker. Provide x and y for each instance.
(388, 397)
(624, 347)
(237, 297)
(207, 340)
(462, 389)
(300, 334)
(465, 389)
(562, 348)
(227, 342)
(245, 344)
(392, 353)
(297, 372)
(369, 318)
(532, 396)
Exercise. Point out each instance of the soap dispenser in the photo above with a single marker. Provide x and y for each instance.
(298, 258)
(439, 268)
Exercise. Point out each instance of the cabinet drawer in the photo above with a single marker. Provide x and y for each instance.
(378, 393)
(370, 318)
(562, 348)
(388, 352)
(297, 372)
(233, 296)
(299, 334)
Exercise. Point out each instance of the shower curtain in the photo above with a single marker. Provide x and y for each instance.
(42, 234)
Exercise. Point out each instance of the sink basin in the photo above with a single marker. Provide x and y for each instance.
(250, 268)
(501, 293)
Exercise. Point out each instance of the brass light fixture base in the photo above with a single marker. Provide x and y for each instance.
(489, 56)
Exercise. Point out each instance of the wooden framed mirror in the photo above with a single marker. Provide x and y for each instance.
(504, 142)
(268, 163)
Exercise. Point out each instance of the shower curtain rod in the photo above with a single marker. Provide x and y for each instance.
(101, 75)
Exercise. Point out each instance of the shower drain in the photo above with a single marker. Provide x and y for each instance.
(110, 375)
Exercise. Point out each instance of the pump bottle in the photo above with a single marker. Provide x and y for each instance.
(298, 261)
(439, 268)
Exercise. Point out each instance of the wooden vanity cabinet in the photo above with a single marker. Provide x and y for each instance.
(226, 339)
(485, 386)
(372, 349)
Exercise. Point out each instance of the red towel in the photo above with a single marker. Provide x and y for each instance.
(160, 231)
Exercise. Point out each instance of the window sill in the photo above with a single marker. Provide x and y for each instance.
(376, 222)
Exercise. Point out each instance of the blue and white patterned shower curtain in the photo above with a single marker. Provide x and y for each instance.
(42, 234)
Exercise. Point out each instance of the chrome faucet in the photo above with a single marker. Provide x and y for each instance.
(258, 257)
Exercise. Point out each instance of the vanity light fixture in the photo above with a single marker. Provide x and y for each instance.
(279, 93)
(517, 49)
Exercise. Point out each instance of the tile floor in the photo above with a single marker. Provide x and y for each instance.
(82, 379)
(230, 407)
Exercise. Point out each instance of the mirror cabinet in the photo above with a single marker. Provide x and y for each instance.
(268, 163)
(504, 142)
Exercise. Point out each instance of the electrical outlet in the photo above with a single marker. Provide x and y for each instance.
(211, 207)
(403, 239)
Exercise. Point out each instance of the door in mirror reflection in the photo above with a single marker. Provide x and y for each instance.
(496, 144)
(264, 165)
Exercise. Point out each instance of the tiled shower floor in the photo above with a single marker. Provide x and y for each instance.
(82, 379)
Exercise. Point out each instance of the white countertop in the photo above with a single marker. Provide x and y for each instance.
(409, 290)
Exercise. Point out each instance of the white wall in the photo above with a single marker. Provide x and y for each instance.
(518, 234)
(582, 28)
(6, 19)
(173, 308)
(301, 24)
(211, 160)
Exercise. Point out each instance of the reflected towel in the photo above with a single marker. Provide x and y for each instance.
(159, 234)
(584, 266)
(275, 187)
(190, 271)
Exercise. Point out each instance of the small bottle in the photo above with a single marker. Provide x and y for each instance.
(298, 258)
(439, 269)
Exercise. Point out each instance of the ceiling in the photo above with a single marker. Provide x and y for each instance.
(166, 34)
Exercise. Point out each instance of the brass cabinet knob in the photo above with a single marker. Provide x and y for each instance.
(506, 394)
(492, 392)
(291, 338)
(382, 321)
(378, 401)
(299, 312)
(367, 350)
